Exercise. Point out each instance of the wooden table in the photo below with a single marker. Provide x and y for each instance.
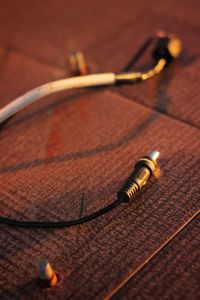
(70, 153)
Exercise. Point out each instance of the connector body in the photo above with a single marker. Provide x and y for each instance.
(168, 47)
(144, 169)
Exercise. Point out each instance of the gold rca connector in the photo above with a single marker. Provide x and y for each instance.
(144, 169)
(47, 276)
(78, 64)
(167, 48)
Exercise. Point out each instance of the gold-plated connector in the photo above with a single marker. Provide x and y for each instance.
(167, 48)
(78, 64)
(140, 76)
(173, 44)
(144, 169)
(47, 276)
(128, 77)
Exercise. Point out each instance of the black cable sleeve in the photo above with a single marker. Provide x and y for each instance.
(137, 55)
(59, 224)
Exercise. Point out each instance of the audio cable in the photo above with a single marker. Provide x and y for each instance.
(144, 169)
(167, 48)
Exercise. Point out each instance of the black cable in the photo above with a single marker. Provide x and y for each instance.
(167, 48)
(59, 224)
(137, 55)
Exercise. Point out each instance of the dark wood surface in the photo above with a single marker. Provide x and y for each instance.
(70, 153)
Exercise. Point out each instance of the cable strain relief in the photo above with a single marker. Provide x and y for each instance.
(128, 191)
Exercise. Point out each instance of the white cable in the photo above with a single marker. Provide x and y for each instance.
(53, 87)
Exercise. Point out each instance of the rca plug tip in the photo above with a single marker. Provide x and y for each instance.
(144, 169)
(47, 276)
(154, 155)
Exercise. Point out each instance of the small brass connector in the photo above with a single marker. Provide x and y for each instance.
(78, 64)
(144, 169)
(47, 276)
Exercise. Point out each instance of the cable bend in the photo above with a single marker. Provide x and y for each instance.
(57, 86)
(52, 87)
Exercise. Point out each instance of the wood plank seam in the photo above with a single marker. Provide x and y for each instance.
(151, 256)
